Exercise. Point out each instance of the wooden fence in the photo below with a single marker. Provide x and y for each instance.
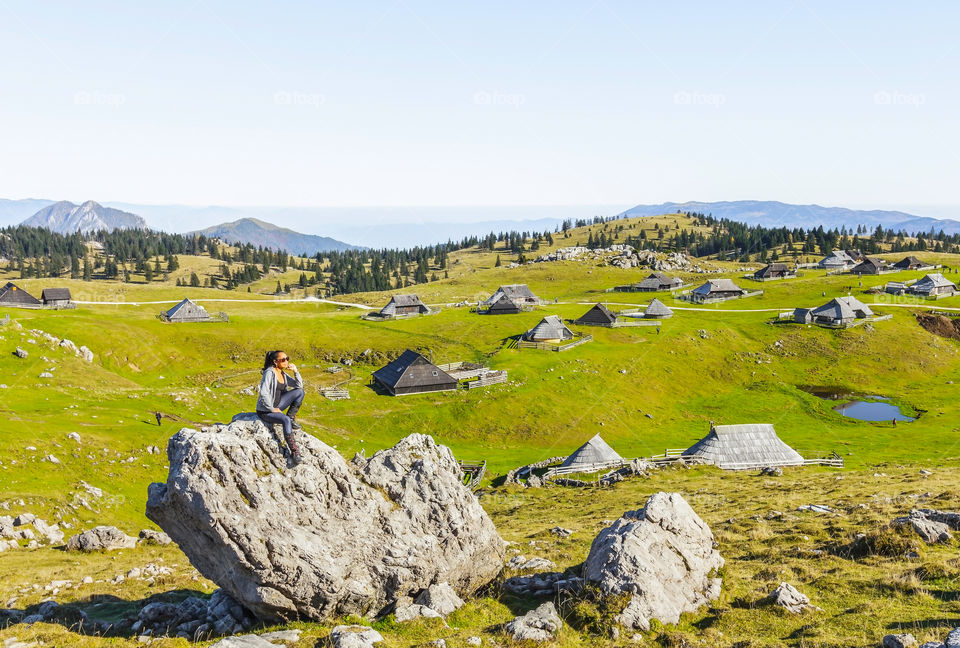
(813, 459)
(487, 379)
(473, 473)
(583, 468)
(546, 346)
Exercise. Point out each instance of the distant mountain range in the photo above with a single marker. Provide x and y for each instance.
(771, 213)
(260, 233)
(65, 217)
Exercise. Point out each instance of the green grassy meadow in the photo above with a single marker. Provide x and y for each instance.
(643, 391)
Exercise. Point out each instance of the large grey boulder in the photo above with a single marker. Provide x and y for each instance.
(101, 538)
(537, 625)
(324, 537)
(663, 555)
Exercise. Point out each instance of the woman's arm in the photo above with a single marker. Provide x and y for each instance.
(296, 377)
(268, 386)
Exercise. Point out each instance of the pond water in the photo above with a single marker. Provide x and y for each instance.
(863, 407)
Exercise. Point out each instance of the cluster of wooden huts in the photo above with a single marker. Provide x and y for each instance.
(15, 296)
(931, 286)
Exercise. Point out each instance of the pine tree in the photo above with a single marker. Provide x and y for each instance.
(194, 280)
(87, 270)
(498, 263)
(279, 288)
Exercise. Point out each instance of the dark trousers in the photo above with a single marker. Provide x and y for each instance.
(290, 401)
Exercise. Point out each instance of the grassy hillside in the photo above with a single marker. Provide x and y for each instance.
(643, 391)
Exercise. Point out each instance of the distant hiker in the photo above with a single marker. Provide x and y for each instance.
(159, 416)
(658, 330)
(894, 422)
(278, 392)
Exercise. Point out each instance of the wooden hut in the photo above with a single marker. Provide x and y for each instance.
(518, 293)
(717, 289)
(909, 263)
(840, 311)
(599, 315)
(56, 297)
(802, 316)
(933, 285)
(837, 260)
(744, 447)
(596, 454)
(658, 281)
(13, 295)
(411, 373)
(551, 329)
(870, 266)
(404, 305)
(186, 311)
(503, 305)
(773, 271)
(657, 310)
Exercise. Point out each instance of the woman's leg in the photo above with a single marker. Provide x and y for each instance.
(273, 418)
(291, 401)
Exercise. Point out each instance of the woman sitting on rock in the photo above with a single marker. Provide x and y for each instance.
(278, 392)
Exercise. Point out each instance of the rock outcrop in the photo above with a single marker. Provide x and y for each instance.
(324, 537)
(101, 538)
(928, 524)
(663, 555)
(791, 599)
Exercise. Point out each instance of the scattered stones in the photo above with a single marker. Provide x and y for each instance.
(772, 471)
(101, 538)
(815, 508)
(791, 599)
(46, 374)
(663, 555)
(234, 505)
(560, 532)
(354, 636)
(537, 625)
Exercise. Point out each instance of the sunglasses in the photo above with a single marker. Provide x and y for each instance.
(283, 359)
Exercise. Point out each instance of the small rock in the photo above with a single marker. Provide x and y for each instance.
(286, 636)
(474, 641)
(20, 353)
(46, 374)
(105, 538)
(24, 518)
(560, 532)
(52, 459)
(74, 436)
(243, 641)
(899, 641)
(150, 536)
(537, 625)
(789, 597)
(354, 636)
(772, 471)
(441, 598)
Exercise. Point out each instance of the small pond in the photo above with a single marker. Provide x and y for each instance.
(863, 407)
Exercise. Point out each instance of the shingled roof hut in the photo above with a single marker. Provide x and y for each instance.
(744, 447)
(13, 295)
(773, 271)
(400, 305)
(870, 265)
(55, 296)
(909, 263)
(657, 310)
(837, 259)
(411, 373)
(186, 311)
(502, 305)
(717, 289)
(598, 315)
(519, 293)
(595, 454)
(932, 285)
(550, 329)
(840, 311)
(658, 281)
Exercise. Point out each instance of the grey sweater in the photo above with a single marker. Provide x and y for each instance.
(271, 390)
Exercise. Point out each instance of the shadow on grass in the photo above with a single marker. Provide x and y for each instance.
(97, 615)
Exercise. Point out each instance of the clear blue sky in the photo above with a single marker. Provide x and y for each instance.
(495, 103)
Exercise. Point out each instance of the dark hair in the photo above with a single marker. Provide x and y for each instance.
(271, 358)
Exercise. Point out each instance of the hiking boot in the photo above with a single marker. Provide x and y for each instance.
(292, 447)
(295, 425)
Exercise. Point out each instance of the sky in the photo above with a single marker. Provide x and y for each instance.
(406, 103)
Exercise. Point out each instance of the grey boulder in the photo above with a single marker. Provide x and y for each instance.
(354, 637)
(322, 538)
(442, 598)
(150, 536)
(790, 598)
(899, 641)
(101, 538)
(244, 641)
(663, 555)
(931, 529)
(537, 625)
